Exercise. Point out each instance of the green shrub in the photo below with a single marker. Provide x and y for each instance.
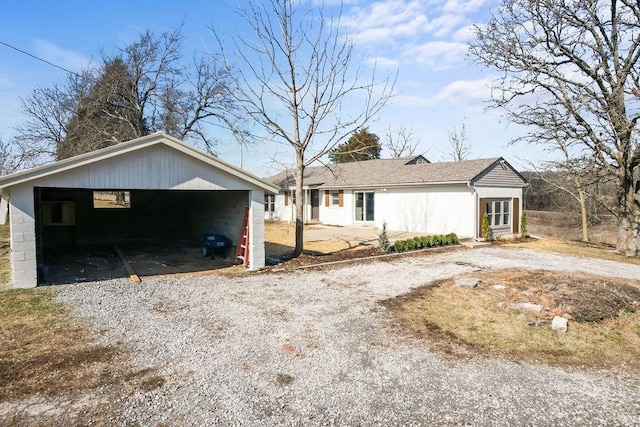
(420, 242)
(485, 228)
(383, 239)
(523, 224)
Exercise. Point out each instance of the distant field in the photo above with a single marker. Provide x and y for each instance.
(563, 226)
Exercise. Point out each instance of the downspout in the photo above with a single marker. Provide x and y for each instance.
(475, 209)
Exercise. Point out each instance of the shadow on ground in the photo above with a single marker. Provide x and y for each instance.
(147, 259)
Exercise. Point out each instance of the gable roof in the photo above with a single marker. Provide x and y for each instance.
(403, 171)
(128, 147)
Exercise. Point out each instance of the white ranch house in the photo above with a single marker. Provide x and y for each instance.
(408, 194)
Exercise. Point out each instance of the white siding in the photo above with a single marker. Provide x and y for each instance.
(152, 168)
(281, 212)
(431, 210)
(335, 215)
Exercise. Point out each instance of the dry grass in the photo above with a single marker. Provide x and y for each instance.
(279, 239)
(5, 270)
(604, 329)
(45, 352)
(572, 247)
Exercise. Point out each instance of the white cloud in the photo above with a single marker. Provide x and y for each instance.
(463, 34)
(383, 62)
(64, 58)
(444, 25)
(385, 20)
(464, 92)
(437, 55)
(462, 6)
(427, 32)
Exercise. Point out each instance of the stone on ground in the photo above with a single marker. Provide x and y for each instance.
(527, 306)
(559, 324)
(471, 282)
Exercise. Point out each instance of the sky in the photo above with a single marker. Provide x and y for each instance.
(437, 89)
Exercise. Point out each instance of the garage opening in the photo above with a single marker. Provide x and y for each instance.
(159, 231)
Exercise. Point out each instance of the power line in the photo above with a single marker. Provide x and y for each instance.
(78, 75)
(39, 59)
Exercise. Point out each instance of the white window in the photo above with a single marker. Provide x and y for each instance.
(499, 212)
(111, 200)
(335, 198)
(269, 202)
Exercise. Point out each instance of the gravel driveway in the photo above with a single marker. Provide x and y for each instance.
(315, 348)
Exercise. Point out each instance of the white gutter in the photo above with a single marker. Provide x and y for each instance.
(404, 184)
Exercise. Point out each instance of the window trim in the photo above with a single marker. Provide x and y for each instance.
(269, 203)
(334, 199)
(497, 210)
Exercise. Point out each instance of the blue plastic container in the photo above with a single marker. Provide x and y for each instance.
(215, 244)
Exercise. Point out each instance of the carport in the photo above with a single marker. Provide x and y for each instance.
(151, 190)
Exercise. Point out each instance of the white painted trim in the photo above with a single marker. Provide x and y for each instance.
(4, 208)
(127, 147)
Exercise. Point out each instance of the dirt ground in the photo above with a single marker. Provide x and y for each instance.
(148, 259)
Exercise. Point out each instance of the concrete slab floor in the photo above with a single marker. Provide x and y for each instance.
(149, 259)
(367, 235)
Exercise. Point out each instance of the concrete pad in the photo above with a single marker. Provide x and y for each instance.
(366, 235)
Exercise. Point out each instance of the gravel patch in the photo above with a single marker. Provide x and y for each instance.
(315, 348)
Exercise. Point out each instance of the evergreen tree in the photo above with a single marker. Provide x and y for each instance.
(363, 145)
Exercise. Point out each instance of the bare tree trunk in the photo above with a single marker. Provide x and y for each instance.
(629, 226)
(583, 211)
(299, 203)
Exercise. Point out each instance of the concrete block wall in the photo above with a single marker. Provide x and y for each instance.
(23, 238)
(219, 212)
(256, 229)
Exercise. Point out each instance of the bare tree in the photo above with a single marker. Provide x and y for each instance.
(145, 87)
(9, 162)
(570, 69)
(402, 143)
(572, 177)
(459, 142)
(297, 75)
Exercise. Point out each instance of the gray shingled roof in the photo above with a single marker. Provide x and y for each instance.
(390, 172)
